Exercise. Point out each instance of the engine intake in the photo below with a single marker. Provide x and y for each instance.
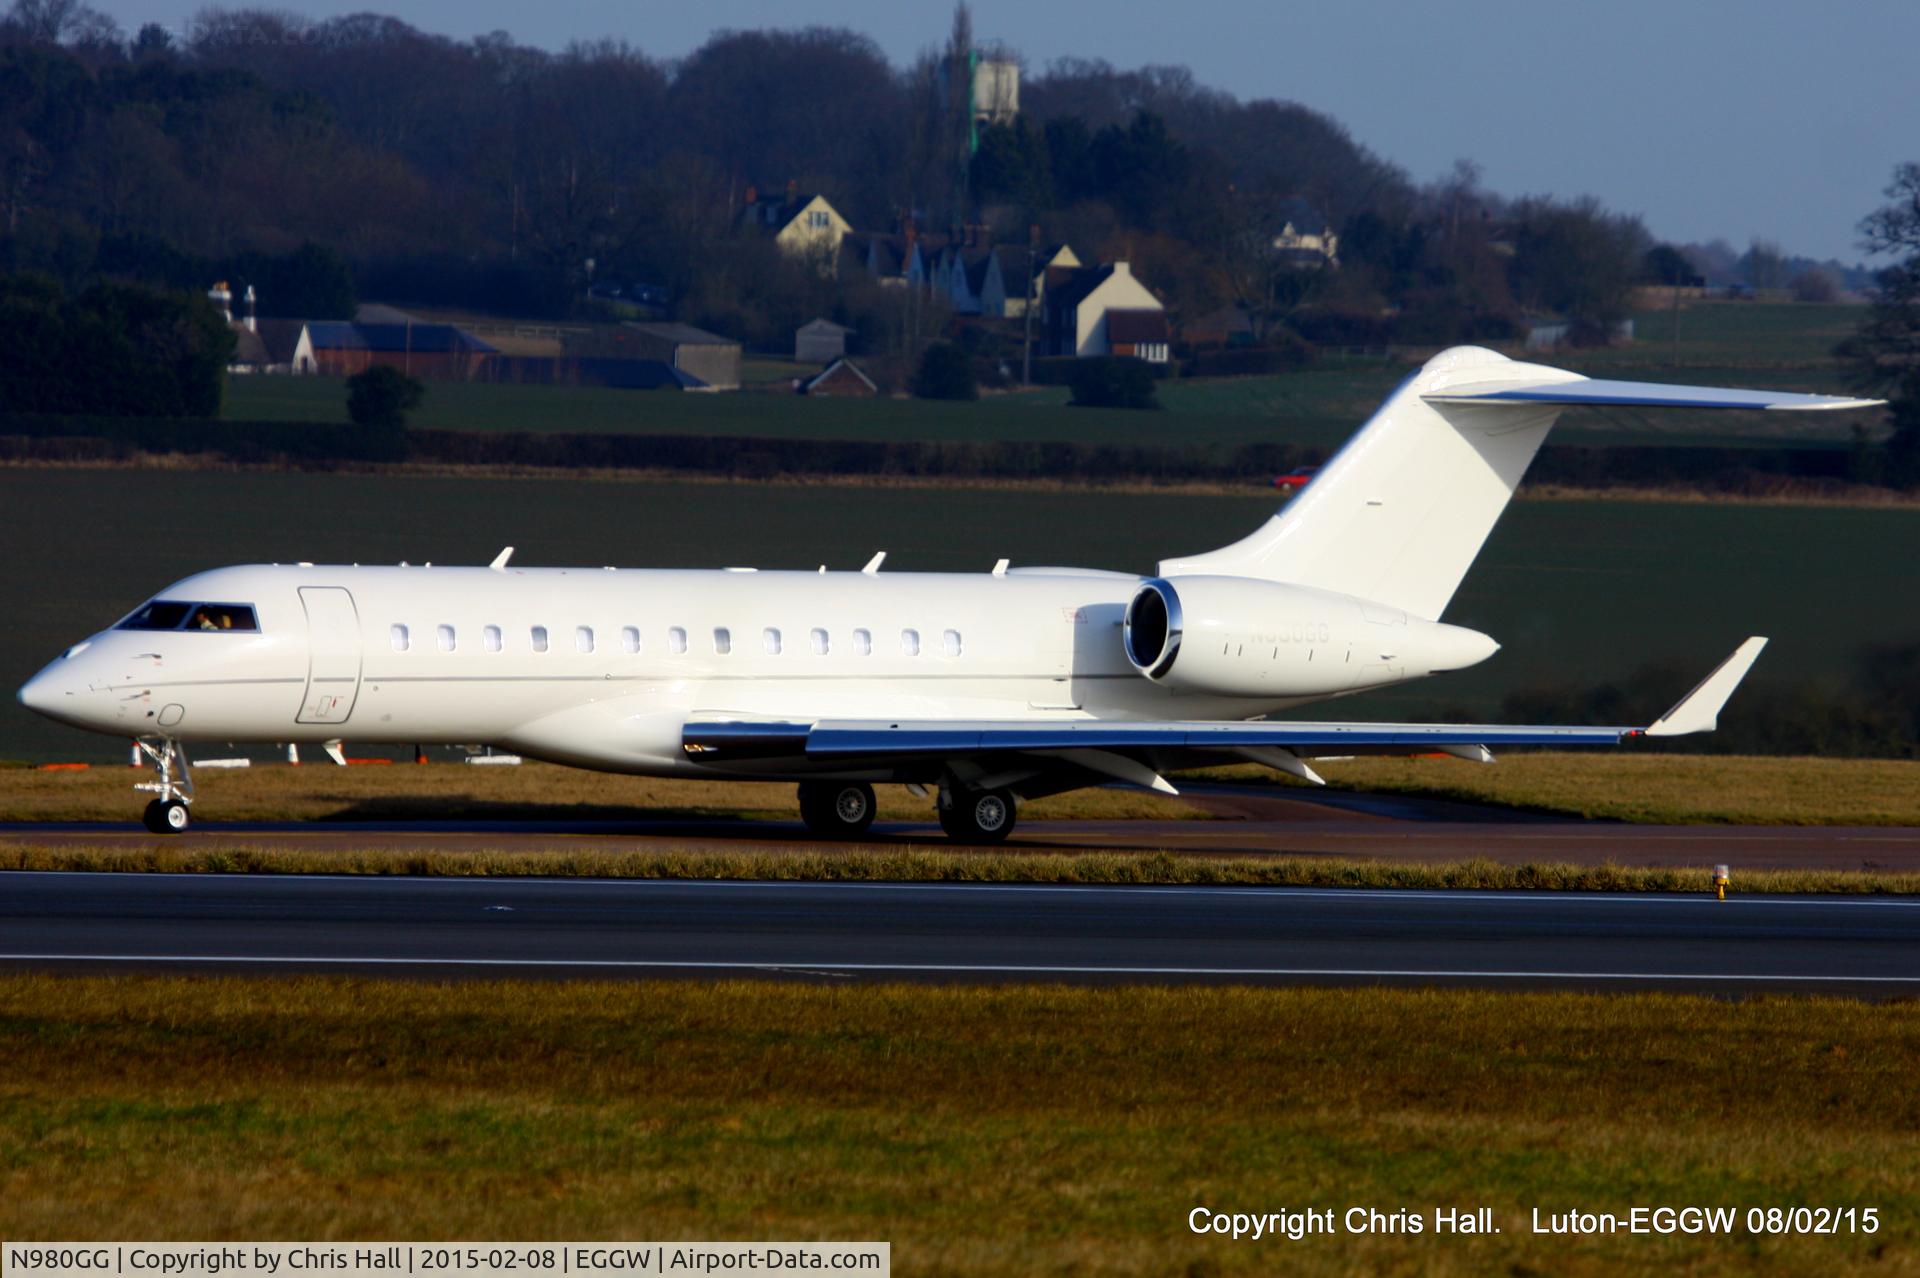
(1153, 628)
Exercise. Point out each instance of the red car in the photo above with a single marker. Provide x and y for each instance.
(1294, 480)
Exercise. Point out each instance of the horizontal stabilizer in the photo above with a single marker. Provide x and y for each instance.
(1587, 391)
(1699, 710)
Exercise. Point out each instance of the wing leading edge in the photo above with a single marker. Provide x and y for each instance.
(1280, 744)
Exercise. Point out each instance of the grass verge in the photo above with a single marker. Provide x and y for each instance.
(1657, 789)
(982, 1130)
(896, 865)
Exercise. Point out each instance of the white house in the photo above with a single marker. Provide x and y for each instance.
(1078, 306)
(804, 225)
(1305, 237)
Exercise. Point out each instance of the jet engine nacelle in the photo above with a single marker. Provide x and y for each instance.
(1240, 637)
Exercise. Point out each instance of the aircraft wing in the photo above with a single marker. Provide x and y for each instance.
(1124, 747)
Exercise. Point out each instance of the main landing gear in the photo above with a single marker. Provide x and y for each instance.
(976, 816)
(836, 809)
(844, 810)
(174, 784)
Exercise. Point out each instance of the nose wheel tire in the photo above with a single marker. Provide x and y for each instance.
(978, 816)
(836, 809)
(167, 816)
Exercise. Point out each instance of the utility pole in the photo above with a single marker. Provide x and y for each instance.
(1026, 346)
(1674, 358)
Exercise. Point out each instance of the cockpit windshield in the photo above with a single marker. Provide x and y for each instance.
(168, 614)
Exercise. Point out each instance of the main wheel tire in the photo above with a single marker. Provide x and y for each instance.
(166, 816)
(978, 816)
(837, 809)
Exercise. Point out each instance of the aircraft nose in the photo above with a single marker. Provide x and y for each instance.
(40, 693)
(54, 692)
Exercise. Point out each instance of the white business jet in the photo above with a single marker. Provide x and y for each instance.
(986, 689)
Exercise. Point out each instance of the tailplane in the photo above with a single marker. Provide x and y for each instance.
(1399, 514)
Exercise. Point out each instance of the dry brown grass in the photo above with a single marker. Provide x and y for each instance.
(1679, 789)
(892, 864)
(999, 1130)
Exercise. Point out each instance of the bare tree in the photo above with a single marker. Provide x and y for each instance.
(1886, 351)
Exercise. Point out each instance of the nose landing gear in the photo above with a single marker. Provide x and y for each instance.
(174, 784)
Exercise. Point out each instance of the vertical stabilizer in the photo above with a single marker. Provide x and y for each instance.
(1398, 515)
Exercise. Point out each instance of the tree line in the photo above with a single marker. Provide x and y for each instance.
(413, 167)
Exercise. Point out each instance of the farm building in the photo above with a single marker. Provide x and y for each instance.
(437, 352)
(272, 346)
(843, 379)
(820, 341)
(713, 359)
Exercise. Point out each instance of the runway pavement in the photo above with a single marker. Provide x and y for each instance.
(573, 928)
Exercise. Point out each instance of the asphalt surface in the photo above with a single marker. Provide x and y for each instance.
(575, 928)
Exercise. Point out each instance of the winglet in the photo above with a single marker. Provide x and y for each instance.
(873, 564)
(499, 563)
(1699, 710)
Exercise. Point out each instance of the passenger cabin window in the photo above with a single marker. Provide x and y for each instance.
(445, 637)
(722, 640)
(583, 638)
(770, 639)
(629, 638)
(539, 638)
(677, 640)
(863, 642)
(490, 638)
(167, 614)
(910, 642)
(397, 635)
(817, 639)
(950, 641)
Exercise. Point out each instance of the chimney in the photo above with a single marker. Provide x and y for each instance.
(793, 190)
(1121, 268)
(253, 316)
(753, 195)
(223, 298)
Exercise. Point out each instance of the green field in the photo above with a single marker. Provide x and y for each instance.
(1784, 347)
(993, 1131)
(1578, 592)
(1732, 334)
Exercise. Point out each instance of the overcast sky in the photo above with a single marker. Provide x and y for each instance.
(1780, 119)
